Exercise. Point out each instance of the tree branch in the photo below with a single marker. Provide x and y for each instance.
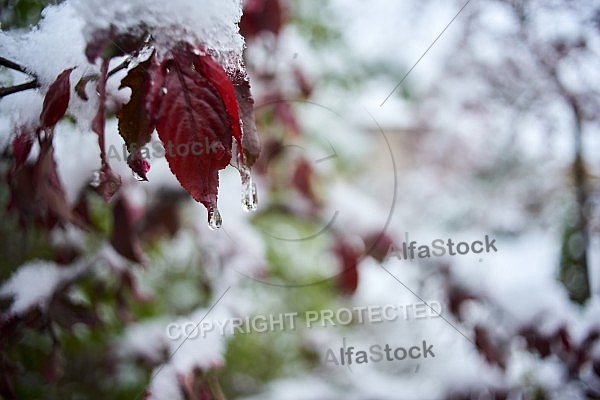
(5, 91)
(13, 65)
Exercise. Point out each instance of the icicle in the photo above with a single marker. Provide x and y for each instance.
(249, 195)
(214, 219)
(96, 179)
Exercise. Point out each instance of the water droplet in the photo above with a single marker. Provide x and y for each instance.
(249, 194)
(164, 90)
(196, 52)
(214, 219)
(137, 176)
(96, 179)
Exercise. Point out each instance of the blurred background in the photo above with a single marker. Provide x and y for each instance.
(494, 132)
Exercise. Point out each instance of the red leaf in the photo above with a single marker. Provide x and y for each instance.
(378, 244)
(261, 15)
(250, 138)
(48, 186)
(218, 78)
(22, 146)
(191, 112)
(56, 100)
(135, 126)
(349, 256)
(124, 238)
(109, 183)
(37, 194)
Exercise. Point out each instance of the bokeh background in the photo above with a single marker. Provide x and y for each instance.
(493, 132)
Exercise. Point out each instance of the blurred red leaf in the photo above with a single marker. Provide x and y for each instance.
(349, 256)
(22, 144)
(37, 193)
(261, 15)
(109, 183)
(124, 238)
(378, 245)
(56, 100)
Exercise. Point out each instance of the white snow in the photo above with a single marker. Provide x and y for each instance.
(35, 282)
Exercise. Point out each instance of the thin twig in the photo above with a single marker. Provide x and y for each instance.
(119, 67)
(5, 91)
(34, 84)
(13, 65)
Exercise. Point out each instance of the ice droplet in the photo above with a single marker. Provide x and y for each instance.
(137, 176)
(249, 195)
(214, 219)
(96, 179)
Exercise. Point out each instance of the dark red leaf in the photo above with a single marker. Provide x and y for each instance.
(302, 179)
(22, 146)
(135, 126)
(37, 194)
(378, 245)
(56, 100)
(49, 188)
(194, 112)
(349, 256)
(109, 183)
(493, 352)
(124, 238)
(261, 15)
(215, 75)
(250, 138)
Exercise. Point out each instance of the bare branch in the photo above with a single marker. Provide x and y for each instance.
(5, 91)
(13, 65)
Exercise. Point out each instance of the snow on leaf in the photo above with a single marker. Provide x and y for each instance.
(34, 284)
(192, 113)
(56, 100)
(135, 126)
